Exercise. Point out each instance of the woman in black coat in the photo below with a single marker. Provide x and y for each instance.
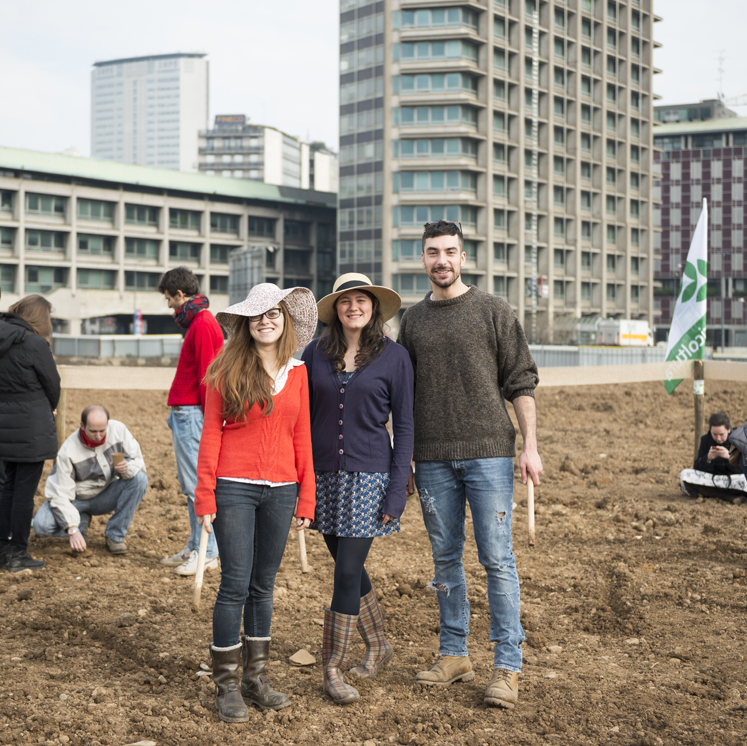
(29, 393)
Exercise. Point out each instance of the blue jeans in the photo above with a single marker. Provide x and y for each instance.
(186, 429)
(121, 498)
(488, 485)
(251, 525)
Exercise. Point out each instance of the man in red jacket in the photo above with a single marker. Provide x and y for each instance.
(202, 342)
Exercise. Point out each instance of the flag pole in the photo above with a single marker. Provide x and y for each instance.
(699, 396)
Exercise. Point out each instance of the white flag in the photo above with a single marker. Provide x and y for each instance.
(688, 333)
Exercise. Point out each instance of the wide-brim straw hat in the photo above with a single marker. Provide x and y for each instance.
(389, 301)
(300, 302)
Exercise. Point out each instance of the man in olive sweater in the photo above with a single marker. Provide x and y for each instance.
(470, 355)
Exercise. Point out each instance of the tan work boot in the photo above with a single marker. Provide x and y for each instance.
(503, 690)
(447, 670)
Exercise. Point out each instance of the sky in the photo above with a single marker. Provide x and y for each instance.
(276, 62)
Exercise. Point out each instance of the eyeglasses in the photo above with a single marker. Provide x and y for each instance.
(447, 222)
(273, 313)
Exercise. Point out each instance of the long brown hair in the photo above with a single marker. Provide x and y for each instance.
(370, 345)
(239, 373)
(36, 311)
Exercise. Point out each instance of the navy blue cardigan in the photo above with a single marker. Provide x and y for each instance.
(348, 426)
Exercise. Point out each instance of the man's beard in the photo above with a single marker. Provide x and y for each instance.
(447, 281)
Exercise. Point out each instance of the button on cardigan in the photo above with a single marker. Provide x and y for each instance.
(348, 423)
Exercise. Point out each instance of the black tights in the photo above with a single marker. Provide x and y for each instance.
(351, 579)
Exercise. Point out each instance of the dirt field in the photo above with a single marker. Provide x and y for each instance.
(633, 603)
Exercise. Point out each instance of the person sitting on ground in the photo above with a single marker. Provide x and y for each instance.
(90, 479)
(713, 453)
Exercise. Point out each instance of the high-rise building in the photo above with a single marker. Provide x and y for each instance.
(529, 122)
(697, 160)
(238, 149)
(148, 110)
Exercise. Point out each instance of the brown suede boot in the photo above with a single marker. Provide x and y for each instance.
(447, 670)
(338, 630)
(379, 650)
(226, 677)
(254, 685)
(503, 690)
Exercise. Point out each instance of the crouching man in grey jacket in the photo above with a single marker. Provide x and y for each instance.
(99, 470)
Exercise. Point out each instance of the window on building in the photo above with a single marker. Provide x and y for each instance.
(585, 200)
(6, 201)
(411, 284)
(611, 292)
(586, 142)
(184, 251)
(141, 215)
(558, 164)
(7, 237)
(559, 289)
(219, 253)
(45, 240)
(611, 205)
(611, 175)
(559, 227)
(218, 285)
(558, 195)
(45, 204)
(184, 219)
(7, 278)
(94, 209)
(264, 227)
(586, 170)
(142, 248)
(585, 230)
(586, 33)
(88, 244)
(44, 279)
(585, 114)
(297, 230)
(611, 234)
(221, 223)
(585, 291)
(499, 286)
(500, 253)
(586, 261)
(96, 279)
(559, 258)
(297, 261)
(142, 280)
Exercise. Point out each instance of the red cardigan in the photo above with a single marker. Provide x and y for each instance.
(276, 448)
(202, 342)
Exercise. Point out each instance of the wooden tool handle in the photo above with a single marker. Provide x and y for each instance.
(200, 570)
(530, 509)
(302, 550)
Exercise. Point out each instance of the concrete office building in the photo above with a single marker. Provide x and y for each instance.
(148, 110)
(703, 159)
(95, 236)
(236, 148)
(530, 122)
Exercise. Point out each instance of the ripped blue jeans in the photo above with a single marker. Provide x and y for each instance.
(488, 484)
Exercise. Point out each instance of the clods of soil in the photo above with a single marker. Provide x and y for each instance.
(634, 604)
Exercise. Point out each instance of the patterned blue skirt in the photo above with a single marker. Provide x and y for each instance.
(348, 504)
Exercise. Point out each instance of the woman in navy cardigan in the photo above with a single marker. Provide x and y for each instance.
(357, 377)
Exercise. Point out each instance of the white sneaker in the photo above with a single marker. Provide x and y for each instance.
(178, 558)
(190, 566)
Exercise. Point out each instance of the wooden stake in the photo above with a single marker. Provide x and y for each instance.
(302, 550)
(200, 570)
(699, 397)
(530, 509)
(60, 419)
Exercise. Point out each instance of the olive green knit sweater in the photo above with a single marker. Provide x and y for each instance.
(470, 355)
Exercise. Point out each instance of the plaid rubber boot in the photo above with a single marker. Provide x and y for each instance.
(379, 650)
(338, 631)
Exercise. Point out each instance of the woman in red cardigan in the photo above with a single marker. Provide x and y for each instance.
(254, 471)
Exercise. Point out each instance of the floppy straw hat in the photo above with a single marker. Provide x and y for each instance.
(389, 301)
(300, 302)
